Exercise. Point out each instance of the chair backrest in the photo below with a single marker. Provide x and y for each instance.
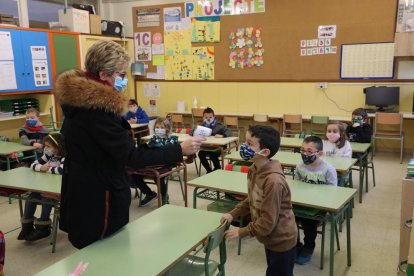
(260, 118)
(214, 239)
(197, 115)
(177, 120)
(292, 119)
(231, 121)
(389, 119)
(320, 120)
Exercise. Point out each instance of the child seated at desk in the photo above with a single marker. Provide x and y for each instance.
(359, 131)
(268, 201)
(50, 162)
(337, 143)
(136, 115)
(33, 131)
(312, 170)
(162, 137)
(218, 131)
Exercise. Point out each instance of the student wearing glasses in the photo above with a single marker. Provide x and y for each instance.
(312, 170)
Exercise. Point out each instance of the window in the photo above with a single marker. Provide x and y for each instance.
(9, 7)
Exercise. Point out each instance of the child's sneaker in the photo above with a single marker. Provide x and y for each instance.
(148, 198)
(165, 199)
(304, 257)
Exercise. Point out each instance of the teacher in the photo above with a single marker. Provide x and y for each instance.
(95, 195)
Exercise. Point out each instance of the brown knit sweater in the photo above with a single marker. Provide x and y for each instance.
(273, 222)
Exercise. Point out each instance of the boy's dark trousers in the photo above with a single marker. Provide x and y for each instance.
(214, 157)
(310, 228)
(143, 187)
(280, 263)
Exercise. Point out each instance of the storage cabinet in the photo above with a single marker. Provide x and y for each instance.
(407, 204)
(31, 58)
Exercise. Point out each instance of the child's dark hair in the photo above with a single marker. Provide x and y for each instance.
(56, 139)
(316, 140)
(269, 138)
(167, 124)
(342, 133)
(33, 110)
(132, 102)
(360, 112)
(208, 110)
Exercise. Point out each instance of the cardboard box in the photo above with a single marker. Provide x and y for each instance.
(76, 20)
(95, 24)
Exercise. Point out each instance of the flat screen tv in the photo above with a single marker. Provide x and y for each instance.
(382, 96)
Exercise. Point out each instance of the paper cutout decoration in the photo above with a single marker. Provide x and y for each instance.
(246, 48)
(157, 60)
(177, 42)
(205, 29)
(203, 63)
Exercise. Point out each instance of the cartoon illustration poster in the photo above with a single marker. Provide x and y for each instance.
(205, 29)
(203, 63)
(177, 42)
(179, 67)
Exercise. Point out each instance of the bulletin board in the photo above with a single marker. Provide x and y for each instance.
(286, 23)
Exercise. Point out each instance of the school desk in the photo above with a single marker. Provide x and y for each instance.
(7, 148)
(139, 129)
(224, 144)
(336, 201)
(361, 150)
(149, 245)
(26, 179)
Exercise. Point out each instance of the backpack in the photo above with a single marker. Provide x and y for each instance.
(2, 252)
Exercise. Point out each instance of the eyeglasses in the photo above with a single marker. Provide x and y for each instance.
(122, 75)
(308, 152)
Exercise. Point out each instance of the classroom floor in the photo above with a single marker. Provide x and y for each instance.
(375, 233)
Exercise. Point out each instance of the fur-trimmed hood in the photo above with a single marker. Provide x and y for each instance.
(73, 88)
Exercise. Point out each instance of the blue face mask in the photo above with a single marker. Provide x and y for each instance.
(31, 122)
(120, 83)
(246, 152)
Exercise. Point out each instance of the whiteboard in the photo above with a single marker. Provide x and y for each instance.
(367, 61)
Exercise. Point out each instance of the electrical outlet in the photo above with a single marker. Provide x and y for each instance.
(322, 85)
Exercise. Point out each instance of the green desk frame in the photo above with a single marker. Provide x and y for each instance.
(7, 148)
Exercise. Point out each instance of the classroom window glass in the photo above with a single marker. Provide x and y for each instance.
(9, 7)
(41, 12)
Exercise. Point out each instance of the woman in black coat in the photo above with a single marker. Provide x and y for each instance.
(95, 195)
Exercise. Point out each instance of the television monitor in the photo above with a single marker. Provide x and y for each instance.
(382, 96)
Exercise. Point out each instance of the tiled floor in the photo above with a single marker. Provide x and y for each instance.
(375, 233)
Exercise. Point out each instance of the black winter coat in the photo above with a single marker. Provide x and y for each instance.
(95, 195)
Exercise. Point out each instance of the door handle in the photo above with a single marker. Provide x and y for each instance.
(409, 223)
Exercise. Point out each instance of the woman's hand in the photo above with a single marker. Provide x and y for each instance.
(133, 120)
(192, 145)
(218, 136)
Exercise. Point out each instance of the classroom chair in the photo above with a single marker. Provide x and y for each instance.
(194, 265)
(318, 125)
(289, 121)
(322, 218)
(53, 124)
(230, 201)
(197, 116)
(153, 175)
(389, 126)
(232, 123)
(177, 121)
(260, 118)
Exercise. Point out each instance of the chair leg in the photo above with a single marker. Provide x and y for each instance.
(337, 237)
(401, 149)
(181, 185)
(322, 245)
(55, 224)
(373, 172)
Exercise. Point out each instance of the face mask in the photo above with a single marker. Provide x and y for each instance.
(133, 109)
(120, 83)
(247, 153)
(160, 132)
(210, 122)
(31, 122)
(48, 151)
(308, 159)
(332, 137)
(358, 121)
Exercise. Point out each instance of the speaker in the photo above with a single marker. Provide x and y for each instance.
(111, 27)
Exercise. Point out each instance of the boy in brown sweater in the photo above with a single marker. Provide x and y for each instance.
(269, 202)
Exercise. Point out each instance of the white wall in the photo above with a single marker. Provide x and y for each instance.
(123, 11)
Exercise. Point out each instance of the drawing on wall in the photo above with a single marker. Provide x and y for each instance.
(178, 67)
(246, 48)
(203, 63)
(177, 42)
(205, 29)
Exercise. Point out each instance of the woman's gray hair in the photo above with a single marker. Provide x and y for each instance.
(105, 56)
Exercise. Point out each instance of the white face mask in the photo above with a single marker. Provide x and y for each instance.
(48, 151)
(133, 109)
(160, 132)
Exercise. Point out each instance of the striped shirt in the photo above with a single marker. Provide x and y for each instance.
(55, 163)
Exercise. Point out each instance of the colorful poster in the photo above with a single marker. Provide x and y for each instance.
(41, 74)
(179, 67)
(201, 8)
(172, 19)
(142, 41)
(143, 53)
(205, 29)
(203, 63)
(246, 48)
(177, 42)
(148, 17)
